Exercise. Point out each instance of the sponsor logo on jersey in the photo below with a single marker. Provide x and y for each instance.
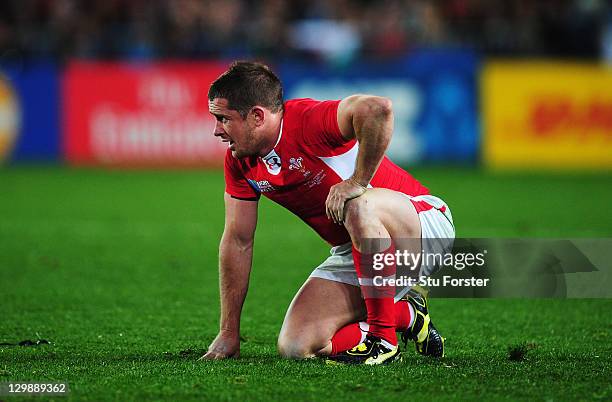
(265, 186)
(272, 162)
(9, 118)
(261, 186)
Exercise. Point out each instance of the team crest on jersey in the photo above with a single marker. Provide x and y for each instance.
(297, 164)
(273, 162)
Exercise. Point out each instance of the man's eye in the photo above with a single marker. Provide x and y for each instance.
(224, 120)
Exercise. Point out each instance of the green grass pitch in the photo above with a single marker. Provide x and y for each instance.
(118, 270)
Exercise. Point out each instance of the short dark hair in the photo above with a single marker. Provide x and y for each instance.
(246, 84)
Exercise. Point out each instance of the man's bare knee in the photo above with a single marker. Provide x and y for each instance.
(311, 320)
(359, 215)
(361, 220)
(295, 348)
(358, 209)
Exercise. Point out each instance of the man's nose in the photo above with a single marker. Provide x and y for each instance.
(219, 129)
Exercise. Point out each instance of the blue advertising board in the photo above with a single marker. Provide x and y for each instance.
(434, 94)
(29, 112)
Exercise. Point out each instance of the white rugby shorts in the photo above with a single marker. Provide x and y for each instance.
(436, 223)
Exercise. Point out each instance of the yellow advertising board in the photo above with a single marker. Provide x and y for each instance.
(547, 115)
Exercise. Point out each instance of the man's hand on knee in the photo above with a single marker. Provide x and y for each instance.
(338, 195)
(226, 345)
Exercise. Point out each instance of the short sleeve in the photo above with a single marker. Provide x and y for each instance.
(320, 123)
(236, 185)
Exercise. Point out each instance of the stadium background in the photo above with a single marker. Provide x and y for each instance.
(111, 205)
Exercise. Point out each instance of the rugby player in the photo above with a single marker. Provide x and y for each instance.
(325, 162)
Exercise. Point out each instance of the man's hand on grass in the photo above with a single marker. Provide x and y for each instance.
(226, 345)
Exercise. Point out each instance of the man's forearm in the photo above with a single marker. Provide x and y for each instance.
(234, 268)
(373, 126)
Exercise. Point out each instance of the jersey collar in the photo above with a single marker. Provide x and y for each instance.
(272, 152)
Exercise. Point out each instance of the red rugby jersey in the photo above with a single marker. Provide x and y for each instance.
(309, 157)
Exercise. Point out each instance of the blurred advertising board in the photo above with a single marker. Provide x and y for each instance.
(547, 115)
(120, 114)
(434, 94)
(29, 112)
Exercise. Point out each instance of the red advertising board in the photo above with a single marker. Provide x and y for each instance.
(119, 114)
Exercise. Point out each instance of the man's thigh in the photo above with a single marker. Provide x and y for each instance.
(319, 309)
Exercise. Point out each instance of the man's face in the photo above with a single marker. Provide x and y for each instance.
(233, 129)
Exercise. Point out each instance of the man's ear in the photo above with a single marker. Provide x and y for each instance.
(258, 115)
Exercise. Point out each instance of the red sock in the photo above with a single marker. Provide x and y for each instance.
(353, 334)
(402, 315)
(348, 337)
(378, 299)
